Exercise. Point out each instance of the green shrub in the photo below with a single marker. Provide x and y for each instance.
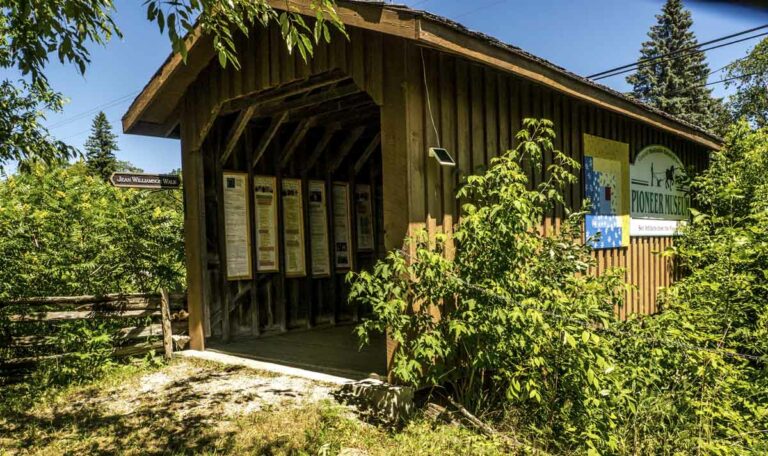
(519, 337)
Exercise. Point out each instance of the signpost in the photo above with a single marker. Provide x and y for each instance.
(142, 180)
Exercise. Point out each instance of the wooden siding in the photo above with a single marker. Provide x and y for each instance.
(476, 112)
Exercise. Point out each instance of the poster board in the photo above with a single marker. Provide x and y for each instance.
(364, 217)
(265, 217)
(237, 229)
(342, 227)
(293, 228)
(606, 185)
(659, 202)
(318, 229)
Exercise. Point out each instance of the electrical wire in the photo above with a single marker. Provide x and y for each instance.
(429, 104)
(106, 105)
(643, 65)
(689, 48)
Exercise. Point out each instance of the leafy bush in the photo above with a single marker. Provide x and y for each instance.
(518, 337)
(514, 328)
(698, 369)
(65, 232)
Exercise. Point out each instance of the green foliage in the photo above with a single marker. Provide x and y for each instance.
(675, 85)
(32, 30)
(528, 339)
(64, 232)
(21, 137)
(223, 20)
(751, 81)
(520, 330)
(100, 148)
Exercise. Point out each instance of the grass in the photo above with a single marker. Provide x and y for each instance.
(82, 419)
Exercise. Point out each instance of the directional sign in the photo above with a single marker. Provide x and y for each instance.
(141, 180)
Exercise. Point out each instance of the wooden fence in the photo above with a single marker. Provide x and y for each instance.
(142, 322)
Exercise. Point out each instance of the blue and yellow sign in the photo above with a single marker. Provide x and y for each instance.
(606, 185)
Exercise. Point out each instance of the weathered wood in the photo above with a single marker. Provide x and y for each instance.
(165, 312)
(238, 128)
(345, 148)
(375, 142)
(319, 149)
(296, 138)
(138, 299)
(267, 136)
(78, 315)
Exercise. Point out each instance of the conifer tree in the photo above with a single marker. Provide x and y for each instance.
(675, 84)
(100, 148)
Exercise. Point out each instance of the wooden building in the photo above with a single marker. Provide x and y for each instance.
(363, 114)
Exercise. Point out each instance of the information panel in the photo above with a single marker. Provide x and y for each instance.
(342, 232)
(237, 229)
(265, 204)
(318, 229)
(660, 201)
(293, 228)
(364, 217)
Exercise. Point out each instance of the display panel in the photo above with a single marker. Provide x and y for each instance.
(318, 229)
(342, 232)
(265, 208)
(293, 228)
(237, 230)
(364, 217)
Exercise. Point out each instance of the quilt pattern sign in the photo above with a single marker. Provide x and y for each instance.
(606, 185)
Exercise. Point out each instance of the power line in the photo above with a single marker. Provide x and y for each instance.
(479, 8)
(106, 105)
(668, 57)
(689, 48)
(719, 81)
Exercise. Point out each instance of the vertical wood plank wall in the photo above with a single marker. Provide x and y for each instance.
(476, 112)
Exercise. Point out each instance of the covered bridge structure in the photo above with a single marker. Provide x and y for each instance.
(296, 172)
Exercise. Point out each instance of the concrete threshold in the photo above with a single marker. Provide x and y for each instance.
(231, 360)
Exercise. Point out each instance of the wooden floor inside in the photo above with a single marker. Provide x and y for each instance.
(333, 350)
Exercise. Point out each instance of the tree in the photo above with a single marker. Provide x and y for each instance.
(33, 30)
(100, 148)
(750, 76)
(675, 83)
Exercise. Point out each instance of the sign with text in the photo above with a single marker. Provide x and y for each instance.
(364, 214)
(293, 228)
(265, 209)
(318, 229)
(237, 228)
(342, 229)
(659, 192)
(142, 180)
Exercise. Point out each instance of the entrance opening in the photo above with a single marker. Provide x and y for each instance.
(321, 135)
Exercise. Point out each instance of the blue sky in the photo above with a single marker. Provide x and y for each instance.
(584, 36)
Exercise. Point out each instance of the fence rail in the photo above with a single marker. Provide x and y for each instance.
(28, 326)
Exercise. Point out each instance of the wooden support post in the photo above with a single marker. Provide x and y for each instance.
(237, 130)
(345, 148)
(332, 251)
(194, 228)
(319, 148)
(255, 318)
(367, 153)
(165, 312)
(298, 136)
(266, 138)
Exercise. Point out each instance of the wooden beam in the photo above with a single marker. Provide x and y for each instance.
(345, 147)
(298, 136)
(275, 107)
(367, 153)
(280, 93)
(267, 137)
(237, 131)
(319, 148)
